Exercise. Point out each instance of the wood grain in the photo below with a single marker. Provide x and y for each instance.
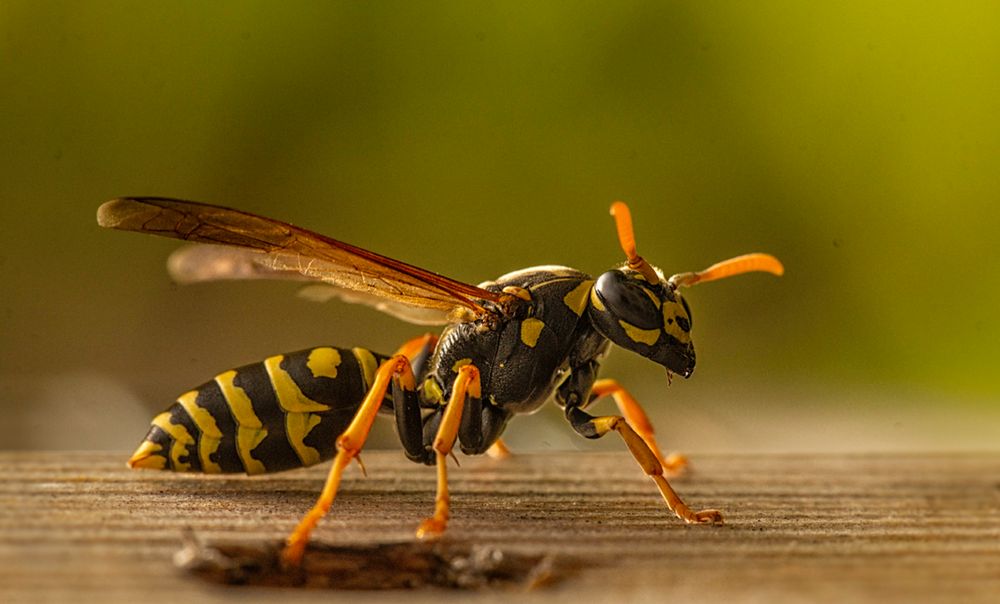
(82, 527)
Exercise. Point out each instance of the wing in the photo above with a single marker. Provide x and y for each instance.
(279, 250)
(196, 263)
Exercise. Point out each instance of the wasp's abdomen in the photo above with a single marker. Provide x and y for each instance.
(285, 412)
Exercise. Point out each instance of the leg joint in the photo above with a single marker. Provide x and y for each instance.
(588, 426)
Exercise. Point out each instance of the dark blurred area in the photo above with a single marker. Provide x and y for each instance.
(858, 142)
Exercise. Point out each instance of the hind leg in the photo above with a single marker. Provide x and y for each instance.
(395, 370)
(406, 403)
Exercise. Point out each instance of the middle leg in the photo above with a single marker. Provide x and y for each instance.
(499, 450)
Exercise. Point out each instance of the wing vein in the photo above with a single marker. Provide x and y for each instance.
(280, 250)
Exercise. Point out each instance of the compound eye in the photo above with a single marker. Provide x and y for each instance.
(631, 300)
(687, 309)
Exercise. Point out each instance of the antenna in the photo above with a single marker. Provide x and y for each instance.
(623, 222)
(730, 268)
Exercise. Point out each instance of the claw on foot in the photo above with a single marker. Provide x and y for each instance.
(431, 528)
(291, 555)
(708, 517)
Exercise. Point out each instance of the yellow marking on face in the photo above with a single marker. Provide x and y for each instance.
(299, 409)
(576, 299)
(652, 296)
(250, 432)
(595, 300)
(182, 438)
(530, 330)
(368, 365)
(146, 457)
(211, 436)
(637, 334)
(323, 362)
(670, 312)
(432, 392)
(460, 363)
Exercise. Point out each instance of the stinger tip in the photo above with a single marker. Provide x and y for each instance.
(146, 457)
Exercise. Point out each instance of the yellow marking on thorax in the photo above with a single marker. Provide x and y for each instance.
(576, 299)
(637, 334)
(182, 438)
(595, 300)
(530, 330)
(520, 292)
(299, 410)
(250, 432)
(432, 392)
(323, 362)
(368, 365)
(211, 436)
(670, 323)
(460, 363)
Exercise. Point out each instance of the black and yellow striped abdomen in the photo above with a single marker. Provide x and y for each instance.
(285, 412)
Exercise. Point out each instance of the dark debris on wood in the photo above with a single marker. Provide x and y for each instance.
(404, 565)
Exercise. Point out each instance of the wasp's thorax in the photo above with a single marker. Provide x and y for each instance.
(649, 318)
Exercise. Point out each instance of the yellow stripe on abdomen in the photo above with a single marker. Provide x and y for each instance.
(250, 431)
(324, 361)
(148, 456)
(211, 436)
(182, 438)
(368, 365)
(300, 416)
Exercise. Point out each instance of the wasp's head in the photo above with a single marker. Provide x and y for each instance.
(651, 319)
(639, 310)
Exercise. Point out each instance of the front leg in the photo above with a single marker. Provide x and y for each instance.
(582, 388)
(674, 463)
(595, 427)
(576, 392)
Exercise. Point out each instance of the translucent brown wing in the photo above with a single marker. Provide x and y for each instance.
(196, 263)
(284, 250)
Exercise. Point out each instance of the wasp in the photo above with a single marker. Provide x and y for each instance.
(508, 346)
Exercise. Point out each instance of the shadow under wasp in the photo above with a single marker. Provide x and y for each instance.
(509, 346)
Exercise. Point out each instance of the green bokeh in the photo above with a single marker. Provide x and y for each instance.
(857, 141)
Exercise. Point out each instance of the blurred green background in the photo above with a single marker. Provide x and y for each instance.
(856, 141)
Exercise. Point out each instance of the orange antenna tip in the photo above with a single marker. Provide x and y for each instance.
(746, 263)
(626, 237)
(623, 222)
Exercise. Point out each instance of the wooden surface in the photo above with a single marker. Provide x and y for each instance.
(81, 527)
